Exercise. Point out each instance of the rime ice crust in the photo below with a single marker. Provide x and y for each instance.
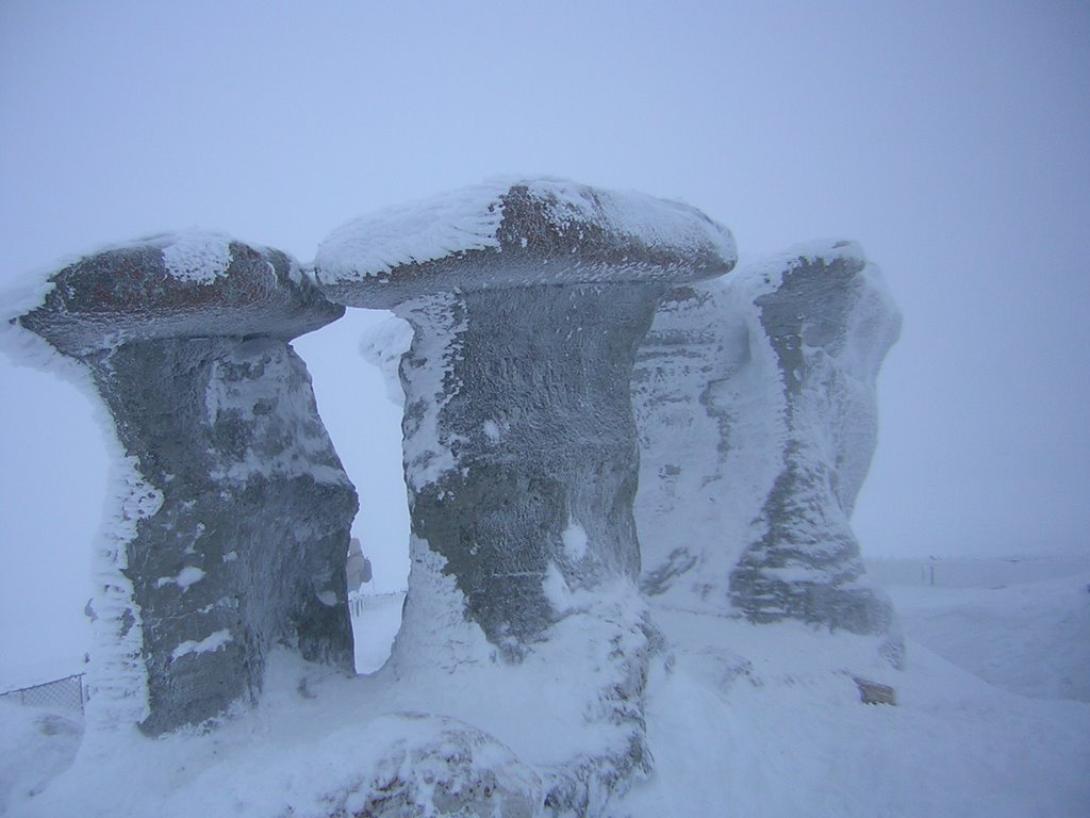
(757, 413)
(528, 301)
(240, 507)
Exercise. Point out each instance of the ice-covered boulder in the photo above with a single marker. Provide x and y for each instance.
(528, 300)
(755, 400)
(232, 509)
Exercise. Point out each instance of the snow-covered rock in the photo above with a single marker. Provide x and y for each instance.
(232, 510)
(528, 300)
(176, 285)
(736, 723)
(755, 400)
(516, 232)
(440, 767)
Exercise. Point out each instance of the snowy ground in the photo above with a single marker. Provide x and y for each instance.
(1028, 636)
(785, 740)
(993, 719)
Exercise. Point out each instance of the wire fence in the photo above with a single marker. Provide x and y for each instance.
(360, 604)
(356, 605)
(63, 694)
(975, 572)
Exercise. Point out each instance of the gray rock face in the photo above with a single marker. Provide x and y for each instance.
(528, 302)
(756, 405)
(542, 439)
(245, 509)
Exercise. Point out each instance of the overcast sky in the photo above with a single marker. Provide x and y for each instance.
(952, 139)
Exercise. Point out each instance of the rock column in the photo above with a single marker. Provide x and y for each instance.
(234, 511)
(540, 441)
(830, 324)
(756, 405)
(528, 301)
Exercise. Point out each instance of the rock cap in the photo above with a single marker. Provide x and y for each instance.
(519, 232)
(192, 283)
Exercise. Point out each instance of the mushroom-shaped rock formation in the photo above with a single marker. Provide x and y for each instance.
(755, 399)
(528, 301)
(234, 511)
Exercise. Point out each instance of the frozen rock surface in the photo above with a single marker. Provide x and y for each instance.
(234, 516)
(755, 399)
(528, 301)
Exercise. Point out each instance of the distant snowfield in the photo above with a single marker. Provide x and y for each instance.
(1027, 638)
(992, 720)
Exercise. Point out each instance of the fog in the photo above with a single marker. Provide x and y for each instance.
(950, 139)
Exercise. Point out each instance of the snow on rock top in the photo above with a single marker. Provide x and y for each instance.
(193, 283)
(418, 232)
(197, 256)
(766, 274)
(519, 232)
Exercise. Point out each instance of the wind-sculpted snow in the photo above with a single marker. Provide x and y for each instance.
(233, 508)
(756, 405)
(520, 444)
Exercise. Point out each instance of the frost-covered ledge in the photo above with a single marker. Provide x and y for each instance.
(528, 300)
(232, 511)
(756, 403)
